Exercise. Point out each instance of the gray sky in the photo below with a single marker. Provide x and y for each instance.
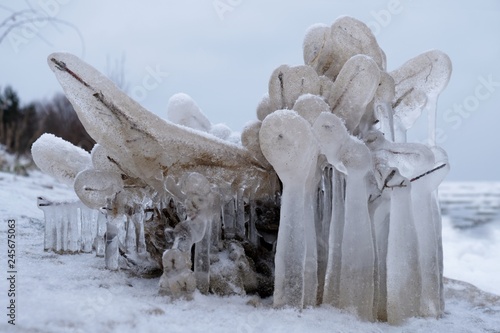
(223, 58)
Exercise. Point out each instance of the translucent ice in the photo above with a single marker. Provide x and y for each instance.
(288, 143)
(328, 49)
(287, 84)
(419, 81)
(95, 188)
(318, 48)
(201, 208)
(382, 105)
(331, 135)
(358, 250)
(178, 279)
(354, 88)
(70, 227)
(403, 266)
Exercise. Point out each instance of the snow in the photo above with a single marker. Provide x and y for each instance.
(76, 294)
(59, 158)
(183, 110)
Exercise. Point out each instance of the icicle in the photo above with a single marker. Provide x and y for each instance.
(441, 159)
(240, 214)
(431, 108)
(253, 236)
(88, 226)
(325, 199)
(331, 293)
(428, 246)
(289, 145)
(111, 254)
(202, 205)
(131, 235)
(230, 219)
(100, 241)
(403, 267)
(331, 134)
(202, 260)
(358, 250)
(49, 239)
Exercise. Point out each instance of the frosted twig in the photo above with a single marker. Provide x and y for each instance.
(428, 172)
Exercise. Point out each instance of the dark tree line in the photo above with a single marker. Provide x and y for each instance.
(22, 125)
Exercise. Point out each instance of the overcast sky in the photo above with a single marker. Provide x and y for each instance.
(222, 53)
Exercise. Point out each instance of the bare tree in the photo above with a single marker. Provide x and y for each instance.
(16, 19)
(59, 118)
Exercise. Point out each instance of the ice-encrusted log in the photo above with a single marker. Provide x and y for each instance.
(149, 147)
(348, 212)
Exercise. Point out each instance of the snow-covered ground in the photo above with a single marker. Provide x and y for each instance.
(75, 293)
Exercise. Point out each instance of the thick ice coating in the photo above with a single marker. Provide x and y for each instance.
(145, 144)
(419, 82)
(354, 88)
(289, 145)
(59, 158)
(94, 188)
(328, 49)
(310, 107)
(183, 110)
(287, 84)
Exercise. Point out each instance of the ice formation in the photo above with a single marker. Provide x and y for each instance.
(320, 201)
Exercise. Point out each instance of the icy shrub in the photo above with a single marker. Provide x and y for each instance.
(327, 160)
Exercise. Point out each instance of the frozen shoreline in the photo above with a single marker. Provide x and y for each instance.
(75, 293)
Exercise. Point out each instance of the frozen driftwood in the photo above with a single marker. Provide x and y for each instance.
(321, 200)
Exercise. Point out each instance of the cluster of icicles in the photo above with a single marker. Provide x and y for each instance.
(359, 226)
